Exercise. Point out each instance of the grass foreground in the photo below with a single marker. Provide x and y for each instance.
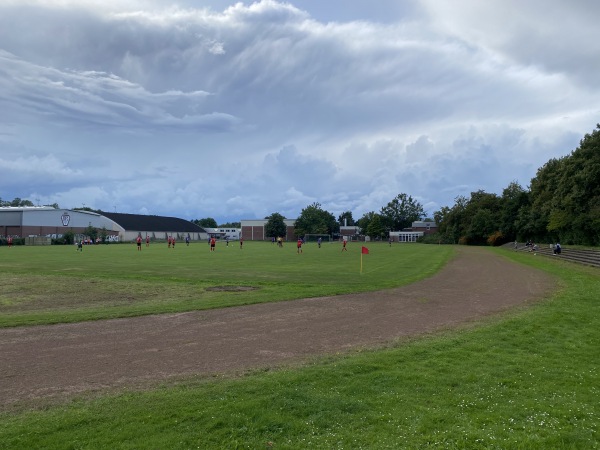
(528, 379)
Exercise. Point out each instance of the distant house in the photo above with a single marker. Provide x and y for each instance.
(350, 232)
(418, 229)
(425, 227)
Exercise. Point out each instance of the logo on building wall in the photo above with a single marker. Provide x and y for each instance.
(65, 218)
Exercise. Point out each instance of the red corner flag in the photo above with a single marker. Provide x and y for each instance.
(365, 251)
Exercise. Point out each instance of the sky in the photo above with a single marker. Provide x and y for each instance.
(235, 111)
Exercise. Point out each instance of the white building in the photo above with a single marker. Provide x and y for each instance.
(26, 221)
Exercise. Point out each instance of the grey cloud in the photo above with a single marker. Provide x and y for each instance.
(251, 109)
(99, 98)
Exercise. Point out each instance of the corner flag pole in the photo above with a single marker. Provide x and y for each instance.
(363, 251)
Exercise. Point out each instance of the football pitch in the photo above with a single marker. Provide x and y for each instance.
(527, 378)
(60, 284)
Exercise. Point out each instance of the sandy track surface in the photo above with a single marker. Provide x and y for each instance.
(57, 361)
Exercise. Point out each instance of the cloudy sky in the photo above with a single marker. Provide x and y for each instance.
(234, 110)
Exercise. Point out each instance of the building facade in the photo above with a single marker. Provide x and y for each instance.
(34, 221)
(46, 221)
(254, 230)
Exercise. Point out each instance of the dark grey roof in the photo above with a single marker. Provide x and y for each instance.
(140, 222)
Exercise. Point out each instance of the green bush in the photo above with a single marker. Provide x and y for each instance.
(497, 239)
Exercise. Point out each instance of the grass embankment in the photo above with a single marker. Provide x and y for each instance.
(528, 379)
(41, 285)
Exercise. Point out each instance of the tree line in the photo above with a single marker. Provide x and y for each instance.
(398, 214)
(562, 204)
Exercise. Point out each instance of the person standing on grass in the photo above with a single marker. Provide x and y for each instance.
(213, 242)
(187, 241)
(319, 242)
(147, 241)
(299, 245)
(241, 242)
(345, 241)
(139, 243)
(9, 241)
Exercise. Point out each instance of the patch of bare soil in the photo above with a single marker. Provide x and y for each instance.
(57, 361)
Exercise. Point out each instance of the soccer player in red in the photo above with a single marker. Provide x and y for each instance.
(299, 245)
(139, 243)
(213, 242)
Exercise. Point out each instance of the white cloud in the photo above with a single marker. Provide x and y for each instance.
(241, 110)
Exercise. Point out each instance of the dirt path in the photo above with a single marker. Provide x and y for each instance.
(56, 361)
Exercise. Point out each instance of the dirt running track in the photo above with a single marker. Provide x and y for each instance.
(58, 361)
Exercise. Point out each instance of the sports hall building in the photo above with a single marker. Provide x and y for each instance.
(45, 221)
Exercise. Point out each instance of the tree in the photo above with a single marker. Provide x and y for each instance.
(514, 197)
(481, 227)
(376, 229)
(230, 225)
(103, 234)
(365, 220)
(314, 220)
(575, 211)
(275, 226)
(345, 219)
(480, 218)
(401, 212)
(91, 232)
(16, 202)
(69, 237)
(207, 222)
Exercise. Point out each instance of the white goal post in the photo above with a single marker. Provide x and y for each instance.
(315, 237)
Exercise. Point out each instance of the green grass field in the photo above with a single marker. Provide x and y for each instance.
(528, 379)
(58, 284)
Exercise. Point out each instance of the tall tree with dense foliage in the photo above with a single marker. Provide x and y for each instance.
(565, 198)
(345, 219)
(314, 220)
(514, 198)
(365, 220)
(207, 222)
(376, 228)
(401, 212)
(482, 217)
(575, 206)
(275, 226)
(451, 221)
